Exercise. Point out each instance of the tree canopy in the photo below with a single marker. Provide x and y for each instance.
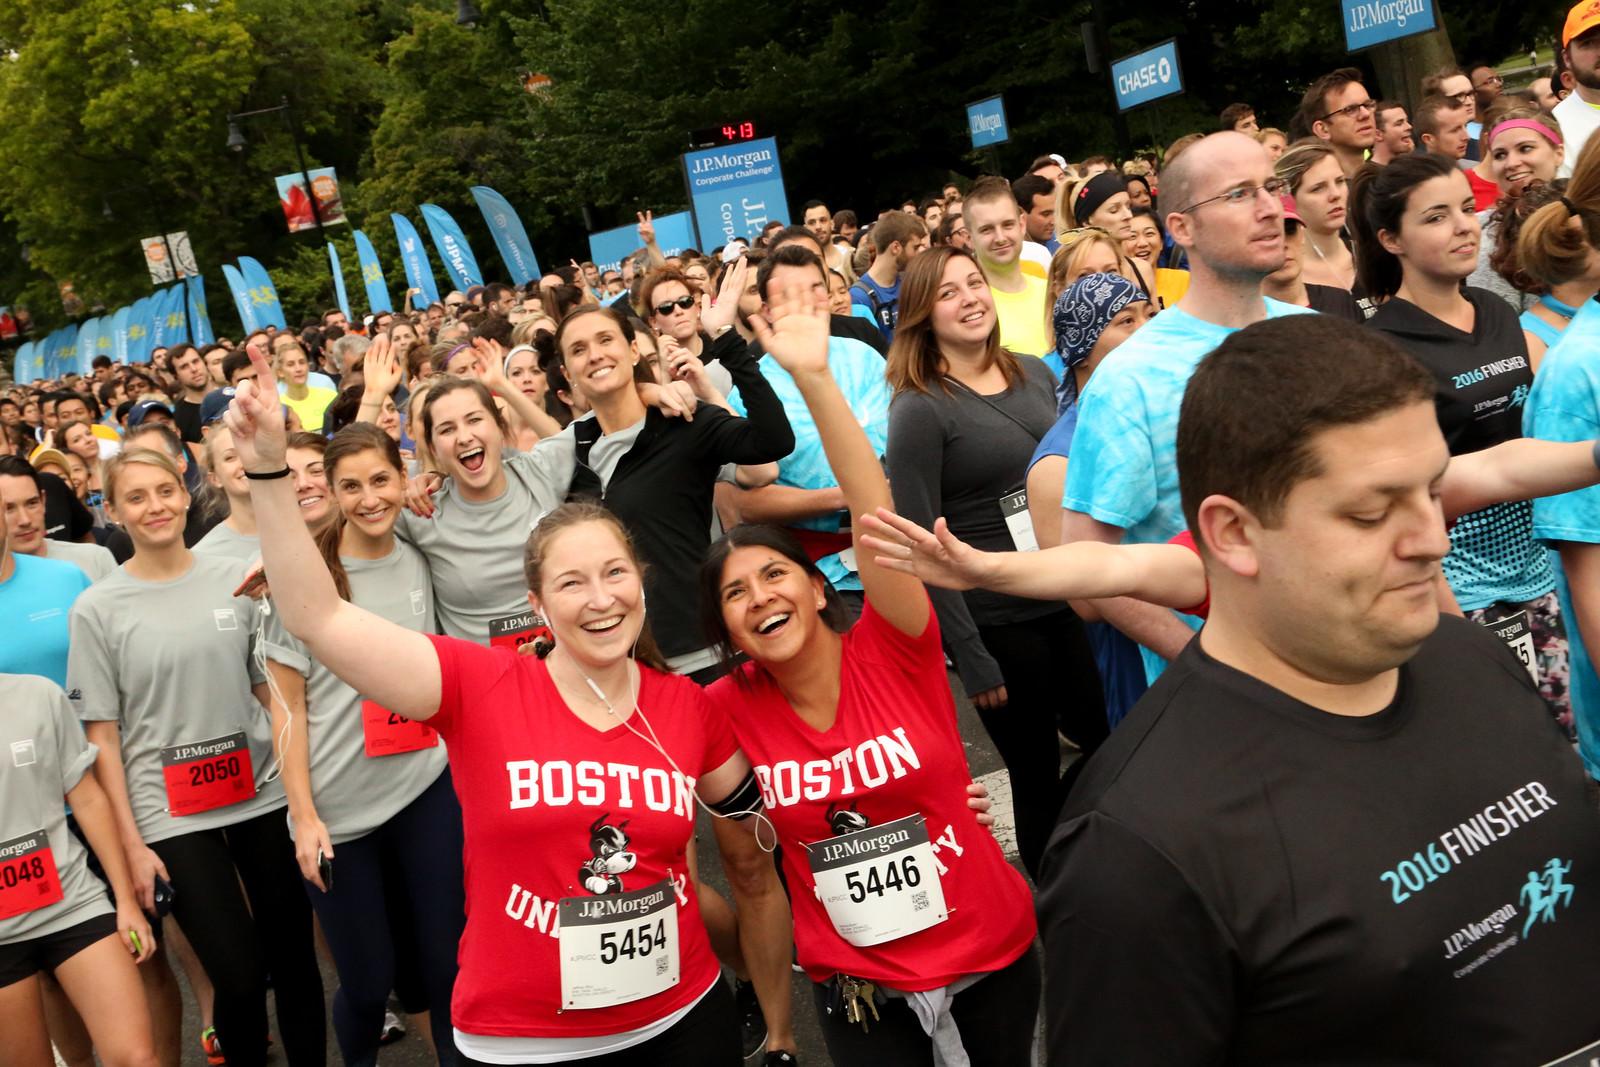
(113, 113)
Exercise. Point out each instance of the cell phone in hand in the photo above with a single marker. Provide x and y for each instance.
(164, 894)
(254, 583)
(325, 872)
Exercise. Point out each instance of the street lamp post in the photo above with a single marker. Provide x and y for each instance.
(236, 142)
(177, 271)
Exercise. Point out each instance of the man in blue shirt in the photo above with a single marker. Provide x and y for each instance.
(36, 596)
(896, 238)
(806, 497)
(1122, 483)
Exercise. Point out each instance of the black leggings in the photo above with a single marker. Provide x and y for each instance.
(415, 855)
(1050, 678)
(239, 944)
(706, 1037)
(997, 1017)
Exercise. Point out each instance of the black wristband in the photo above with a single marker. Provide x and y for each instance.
(256, 476)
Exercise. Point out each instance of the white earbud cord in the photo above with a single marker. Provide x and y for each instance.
(654, 742)
(260, 654)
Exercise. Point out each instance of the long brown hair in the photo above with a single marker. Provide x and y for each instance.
(915, 361)
(573, 514)
(353, 439)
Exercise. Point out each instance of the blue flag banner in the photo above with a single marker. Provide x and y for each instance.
(736, 190)
(263, 294)
(372, 275)
(64, 352)
(161, 333)
(199, 320)
(139, 321)
(340, 296)
(414, 256)
(22, 370)
(88, 338)
(454, 252)
(674, 233)
(177, 322)
(241, 298)
(119, 335)
(505, 226)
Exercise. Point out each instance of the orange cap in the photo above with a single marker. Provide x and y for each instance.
(1582, 18)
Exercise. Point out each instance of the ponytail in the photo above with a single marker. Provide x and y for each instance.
(328, 545)
(1377, 203)
(1550, 247)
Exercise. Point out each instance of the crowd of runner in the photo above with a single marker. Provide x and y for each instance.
(345, 629)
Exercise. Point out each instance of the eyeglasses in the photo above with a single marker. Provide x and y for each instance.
(1352, 110)
(1459, 99)
(684, 302)
(1273, 187)
(453, 304)
(1493, 79)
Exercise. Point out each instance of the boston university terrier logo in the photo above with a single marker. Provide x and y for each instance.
(609, 845)
(846, 820)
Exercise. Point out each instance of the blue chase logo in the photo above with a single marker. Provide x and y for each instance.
(1543, 891)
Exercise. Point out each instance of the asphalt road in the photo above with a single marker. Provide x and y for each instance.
(412, 1052)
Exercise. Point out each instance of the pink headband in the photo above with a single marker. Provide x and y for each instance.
(1524, 124)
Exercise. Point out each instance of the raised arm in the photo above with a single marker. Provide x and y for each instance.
(393, 665)
(797, 337)
(1517, 470)
(1169, 575)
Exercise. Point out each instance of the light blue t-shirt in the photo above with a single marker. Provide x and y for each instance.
(35, 603)
(1124, 469)
(859, 371)
(1564, 405)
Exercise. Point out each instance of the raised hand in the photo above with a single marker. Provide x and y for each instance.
(674, 400)
(717, 315)
(380, 369)
(646, 228)
(938, 558)
(492, 364)
(255, 417)
(794, 330)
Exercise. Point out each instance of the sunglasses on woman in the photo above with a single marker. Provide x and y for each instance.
(684, 302)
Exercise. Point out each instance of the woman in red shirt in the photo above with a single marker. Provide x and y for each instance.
(908, 918)
(578, 776)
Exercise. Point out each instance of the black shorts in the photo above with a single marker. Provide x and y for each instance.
(24, 959)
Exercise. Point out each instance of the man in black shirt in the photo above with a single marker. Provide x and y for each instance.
(1338, 829)
(190, 368)
(851, 326)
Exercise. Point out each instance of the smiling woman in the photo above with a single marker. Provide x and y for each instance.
(1417, 237)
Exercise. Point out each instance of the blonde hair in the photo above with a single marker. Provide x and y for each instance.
(1074, 245)
(149, 457)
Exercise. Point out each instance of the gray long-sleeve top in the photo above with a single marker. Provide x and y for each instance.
(956, 454)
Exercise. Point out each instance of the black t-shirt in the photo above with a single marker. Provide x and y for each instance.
(1332, 300)
(65, 517)
(854, 327)
(187, 416)
(1483, 377)
(1240, 878)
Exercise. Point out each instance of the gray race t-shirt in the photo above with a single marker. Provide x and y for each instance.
(93, 560)
(43, 755)
(356, 793)
(474, 550)
(172, 663)
(225, 541)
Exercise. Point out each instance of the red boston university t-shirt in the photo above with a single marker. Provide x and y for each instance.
(545, 798)
(893, 751)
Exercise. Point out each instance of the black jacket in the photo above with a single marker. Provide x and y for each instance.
(662, 487)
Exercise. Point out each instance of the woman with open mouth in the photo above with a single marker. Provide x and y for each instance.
(369, 793)
(912, 926)
(579, 775)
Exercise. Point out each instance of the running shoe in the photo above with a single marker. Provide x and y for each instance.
(752, 1024)
(211, 1047)
(393, 1029)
